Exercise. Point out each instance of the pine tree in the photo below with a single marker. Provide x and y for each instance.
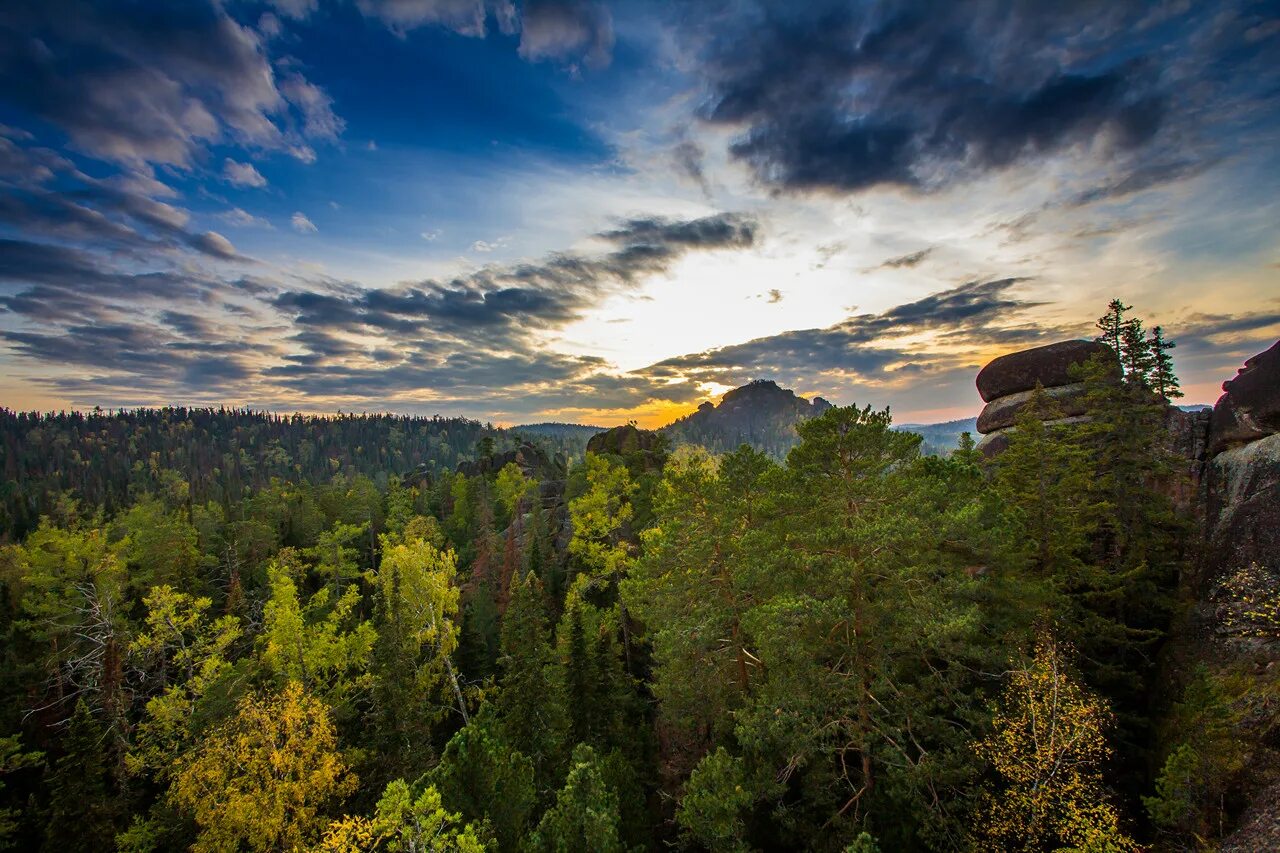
(1163, 379)
(577, 677)
(1044, 479)
(584, 818)
(484, 778)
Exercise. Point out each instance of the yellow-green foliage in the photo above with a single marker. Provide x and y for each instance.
(1048, 746)
(187, 652)
(599, 517)
(322, 645)
(1252, 603)
(403, 822)
(264, 778)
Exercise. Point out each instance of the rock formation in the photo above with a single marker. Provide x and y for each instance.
(530, 458)
(1232, 491)
(1249, 408)
(1007, 383)
(633, 443)
(760, 414)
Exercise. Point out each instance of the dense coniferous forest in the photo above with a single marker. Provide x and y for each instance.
(107, 458)
(229, 631)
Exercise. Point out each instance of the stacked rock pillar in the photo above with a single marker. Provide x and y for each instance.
(1007, 383)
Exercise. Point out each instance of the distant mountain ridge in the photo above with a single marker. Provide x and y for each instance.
(942, 438)
(761, 414)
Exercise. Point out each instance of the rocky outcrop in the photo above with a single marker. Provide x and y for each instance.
(1002, 411)
(1049, 365)
(531, 459)
(622, 440)
(1008, 383)
(643, 447)
(1242, 508)
(1249, 408)
(759, 414)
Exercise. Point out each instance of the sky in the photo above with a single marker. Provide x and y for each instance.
(598, 212)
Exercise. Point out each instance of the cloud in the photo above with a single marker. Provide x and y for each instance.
(240, 218)
(431, 235)
(838, 98)
(319, 119)
(302, 224)
(566, 29)
(909, 261)
(121, 213)
(869, 349)
(687, 156)
(242, 174)
(466, 17)
(153, 85)
(1141, 178)
(719, 230)
(213, 243)
(296, 9)
(506, 304)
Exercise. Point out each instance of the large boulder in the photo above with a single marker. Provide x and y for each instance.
(1049, 365)
(1250, 407)
(643, 449)
(997, 441)
(1242, 508)
(1003, 411)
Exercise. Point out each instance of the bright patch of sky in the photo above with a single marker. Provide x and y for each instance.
(604, 211)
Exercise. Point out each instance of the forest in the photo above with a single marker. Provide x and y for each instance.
(224, 631)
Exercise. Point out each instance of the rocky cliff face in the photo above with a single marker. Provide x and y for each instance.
(1232, 491)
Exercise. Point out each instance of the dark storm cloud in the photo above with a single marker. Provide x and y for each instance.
(862, 345)
(154, 83)
(842, 97)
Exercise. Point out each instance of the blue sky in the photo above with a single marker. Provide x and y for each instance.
(595, 211)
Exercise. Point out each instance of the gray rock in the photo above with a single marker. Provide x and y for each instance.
(1002, 411)
(1049, 365)
(1242, 508)
(1250, 407)
(995, 443)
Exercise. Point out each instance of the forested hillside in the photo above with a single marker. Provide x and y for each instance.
(107, 459)
(269, 640)
(759, 414)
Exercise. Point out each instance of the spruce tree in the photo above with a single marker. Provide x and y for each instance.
(528, 706)
(83, 809)
(1163, 379)
(1135, 355)
(1111, 325)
